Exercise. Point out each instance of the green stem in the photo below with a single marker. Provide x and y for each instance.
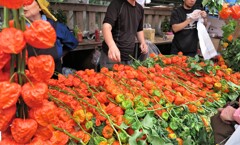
(20, 62)
(69, 134)
(19, 59)
(16, 18)
(23, 28)
(22, 19)
(5, 18)
(12, 63)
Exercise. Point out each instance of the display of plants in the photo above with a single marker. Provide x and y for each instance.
(230, 42)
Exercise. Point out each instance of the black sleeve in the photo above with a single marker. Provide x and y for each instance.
(112, 13)
(175, 19)
(140, 26)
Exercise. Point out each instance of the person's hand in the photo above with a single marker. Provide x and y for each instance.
(114, 54)
(203, 14)
(226, 114)
(189, 20)
(144, 48)
(195, 15)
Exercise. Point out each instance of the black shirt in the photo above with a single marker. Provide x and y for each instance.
(185, 40)
(126, 21)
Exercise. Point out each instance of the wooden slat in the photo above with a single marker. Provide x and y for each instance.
(80, 20)
(148, 19)
(102, 18)
(156, 21)
(70, 19)
(96, 8)
(92, 21)
(69, 6)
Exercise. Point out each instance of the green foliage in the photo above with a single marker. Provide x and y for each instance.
(195, 67)
(149, 62)
(165, 26)
(229, 28)
(213, 5)
(231, 55)
(60, 15)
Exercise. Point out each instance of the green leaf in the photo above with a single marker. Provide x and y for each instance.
(208, 69)
(91, 141)
(155, 139)
(142, 142)
(129, 112)
(233, 96)
(98, 139)
(99, 129)
(132, 139)
(188, 141)
(136, 125)
(148, 121)
(204, 2)
(157, 93)
(124, 126)
(198, 126)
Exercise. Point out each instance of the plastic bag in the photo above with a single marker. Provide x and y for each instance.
(195, 15)
(66, 71)
(207, 48)
(152, 48)
(234, 139)
(96, 57)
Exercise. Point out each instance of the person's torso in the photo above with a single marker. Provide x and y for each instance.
(185, 40)
(126, 27)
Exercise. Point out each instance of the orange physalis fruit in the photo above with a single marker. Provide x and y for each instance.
(230, 38)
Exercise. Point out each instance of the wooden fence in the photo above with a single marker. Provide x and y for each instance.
(87, 16)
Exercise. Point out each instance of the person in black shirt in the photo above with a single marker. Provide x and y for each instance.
(185, 29)
(122, 23)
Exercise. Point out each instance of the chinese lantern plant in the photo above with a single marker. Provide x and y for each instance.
(20, 91)
(231, 42)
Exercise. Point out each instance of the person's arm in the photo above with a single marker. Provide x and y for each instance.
(180, 26)
(113, 52)
(143, 45)
(140, 35)
(66, 37)
(176, 21)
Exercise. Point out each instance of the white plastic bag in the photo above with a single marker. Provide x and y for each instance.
(207, 48)
(195, 15)
(234, 139)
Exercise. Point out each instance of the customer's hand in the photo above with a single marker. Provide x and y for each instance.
(114, 54)
(144, 48)
(226, 114)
